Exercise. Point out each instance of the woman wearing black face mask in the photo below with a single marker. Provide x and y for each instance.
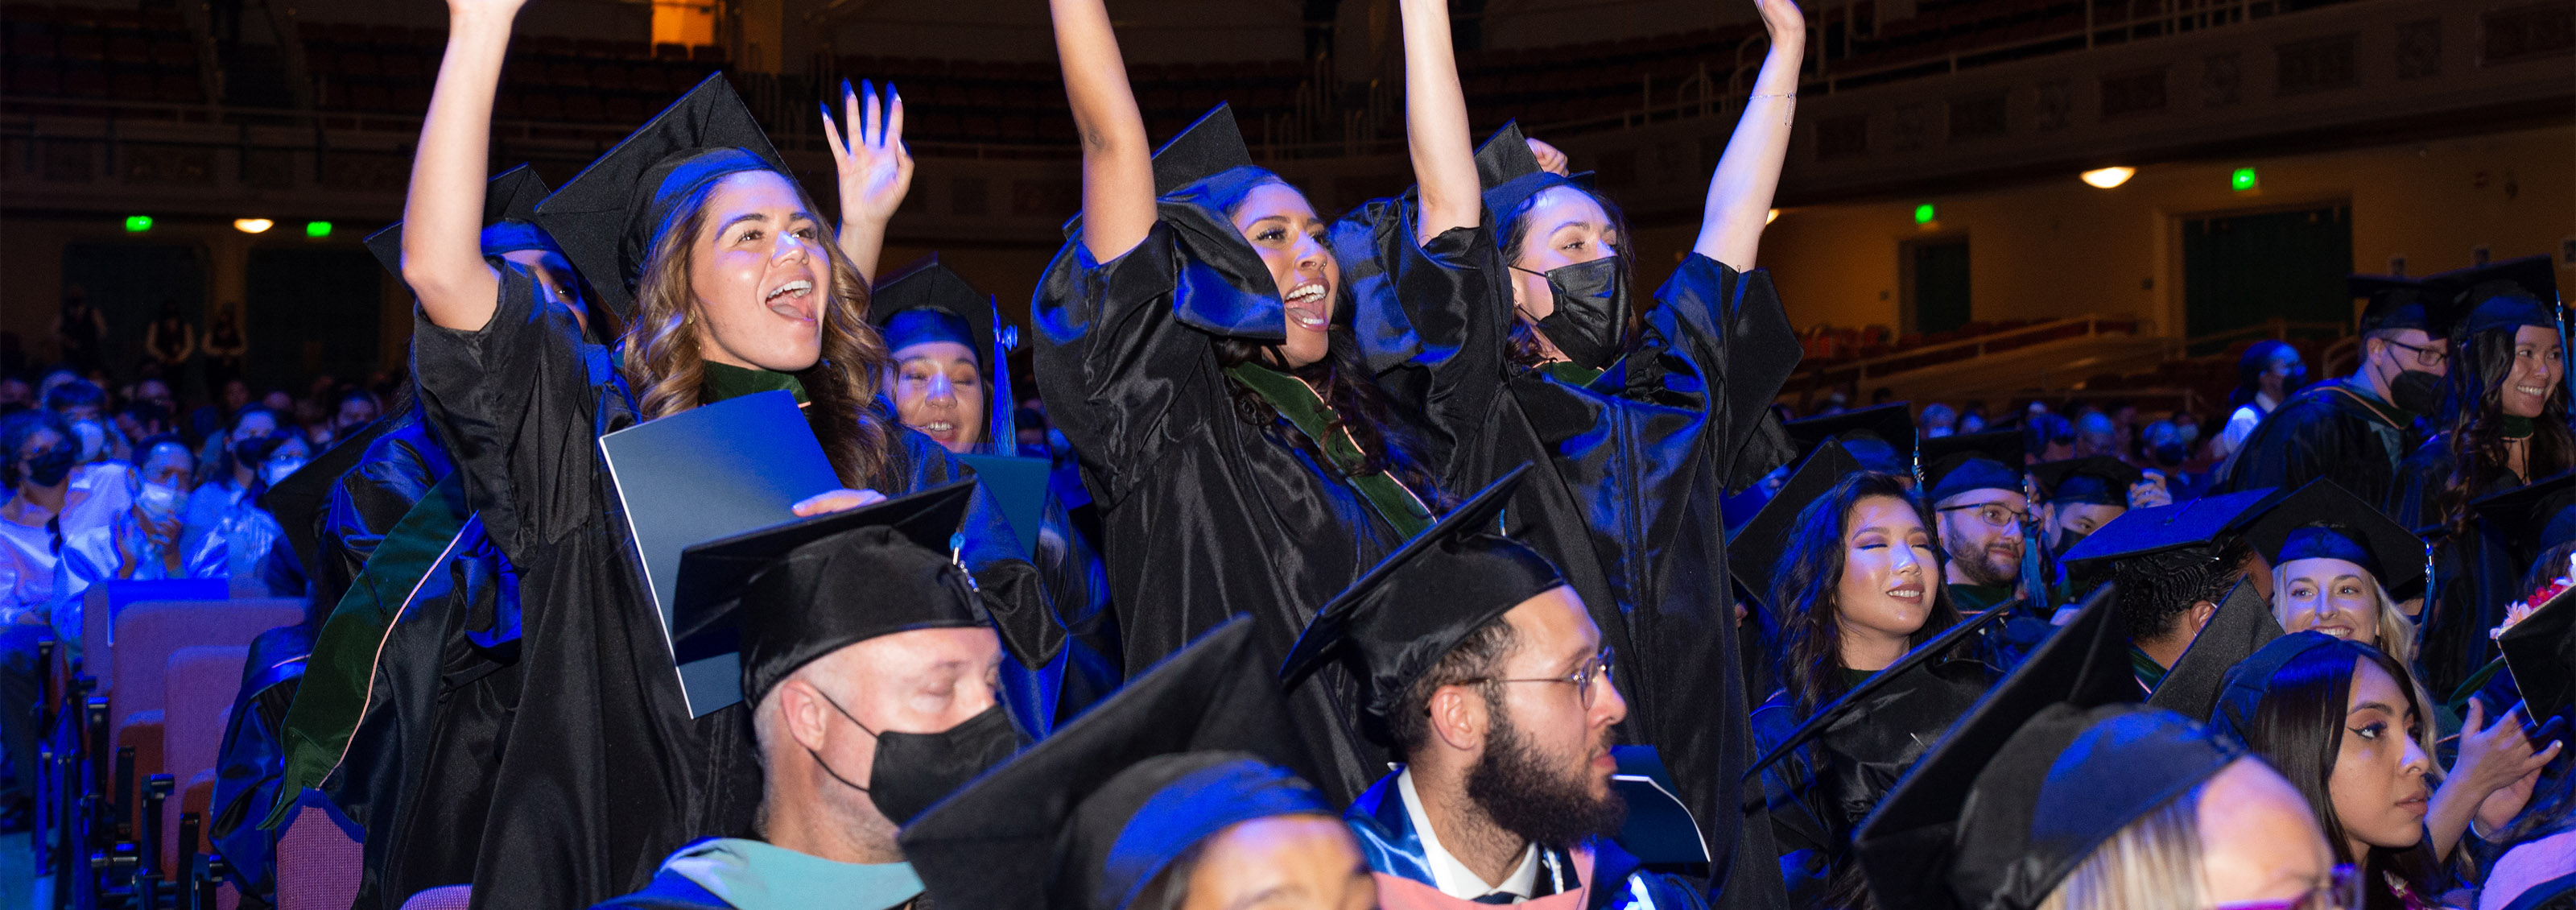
(50, 500)
(1495, 303)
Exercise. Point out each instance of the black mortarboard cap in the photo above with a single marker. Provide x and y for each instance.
(510, 197)
(1881, 438)
(1209, 146)
(1873, 694)
(2242, 691)
(2050, 764)
(297, 500)
(1093, 812)
(2095, 479)
(2541, 513)
(1510, 173)
(926, 301)
(2512, 293)
(606, 219)
(1965, 463)
(1398, 620)
(2242, 626)
(2321, 520)
(2404, 303)
(2541, 650)
(790, 593)
(1755, 550)
(2206, 524)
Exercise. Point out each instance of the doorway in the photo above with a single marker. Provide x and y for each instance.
(2240, 270)
(1936, 285)
(309, 312)
(129, 283)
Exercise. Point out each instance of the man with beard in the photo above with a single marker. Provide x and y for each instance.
(1976, 493)
(2357, 429)
(874, 676)
(1486, 675)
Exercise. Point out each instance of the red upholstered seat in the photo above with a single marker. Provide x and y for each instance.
(146, 634)
(199, 684)
(451, 897)
(318, 859)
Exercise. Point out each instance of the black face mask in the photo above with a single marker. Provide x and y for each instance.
(914, 771)
(2416, 390)
(1590, 324)
(250, 452)
(2067, 538)
(49, 467)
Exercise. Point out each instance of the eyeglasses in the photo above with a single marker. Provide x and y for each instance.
(2429, 357)
(2340, 891)
(1594, 670)
(1994, 514)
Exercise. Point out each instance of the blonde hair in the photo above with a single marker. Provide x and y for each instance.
(2153, 863)
(665, 364)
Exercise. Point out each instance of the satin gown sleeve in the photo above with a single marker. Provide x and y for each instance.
(1122, 377)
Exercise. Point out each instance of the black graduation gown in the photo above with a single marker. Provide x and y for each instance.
(2331, 429)
(1204, 516)
(1818, 793)
(1642, 457)
(602, 773)
(2475, 570)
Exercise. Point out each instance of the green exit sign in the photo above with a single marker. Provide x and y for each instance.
(2243, 179)
(1923, 214)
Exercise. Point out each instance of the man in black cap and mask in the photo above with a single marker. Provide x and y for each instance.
(873, 675)
(2357, 429)
(1486, 674)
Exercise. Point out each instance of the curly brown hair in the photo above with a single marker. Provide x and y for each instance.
(665, 364)
(2472, 422)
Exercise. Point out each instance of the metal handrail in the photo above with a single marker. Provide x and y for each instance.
(1977, 346)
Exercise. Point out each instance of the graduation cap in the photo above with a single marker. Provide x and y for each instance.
(509, 215)
(1510, 173)
(788, 594)
(2508, 294)
(2095, 479)
(1756, 548)
(2541, 513)
(2242, 626)
(2204, 526)
(2054, 761)
(607, 218)
(926, 301)
(2404, 303)
(1398, 620)
(1209, 146)
(1091, 814)
(298, 499)
(2243, 689)
(2541, 650)
(2322, 521)
(1959, 464)
(1882, 438)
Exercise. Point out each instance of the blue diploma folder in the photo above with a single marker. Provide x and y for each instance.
(706, 473)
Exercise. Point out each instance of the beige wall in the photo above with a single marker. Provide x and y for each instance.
(2062, 248)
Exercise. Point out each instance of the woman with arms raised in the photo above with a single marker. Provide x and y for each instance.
(694, 225)
(1188, 345)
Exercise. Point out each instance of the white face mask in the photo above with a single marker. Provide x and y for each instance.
(162, 501)
(277, 468)
(93, 440)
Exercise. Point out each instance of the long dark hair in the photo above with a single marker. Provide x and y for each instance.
(1521, 344)
(2472, 418)
(2298, 729)
(1809, 575)
(1358, 406)
(2249, 373)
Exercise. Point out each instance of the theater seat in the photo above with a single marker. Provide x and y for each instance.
(318, 858)
(201, 683)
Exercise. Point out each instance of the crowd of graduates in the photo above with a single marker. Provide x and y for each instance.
(1406, 558)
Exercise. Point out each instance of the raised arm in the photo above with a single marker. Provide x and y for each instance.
(443, 216)
(875, 170)
(1739, 194)
(1117, 165)
(1435, 122)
